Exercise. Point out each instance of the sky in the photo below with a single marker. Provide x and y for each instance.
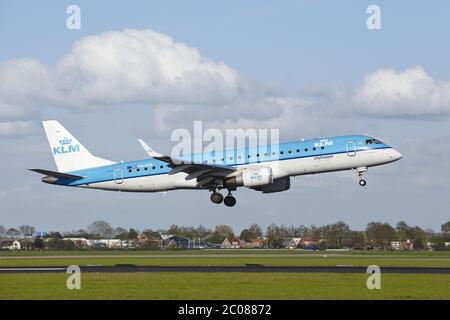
(141, 69)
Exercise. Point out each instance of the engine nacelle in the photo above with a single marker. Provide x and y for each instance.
(256, 178)
(278, 185)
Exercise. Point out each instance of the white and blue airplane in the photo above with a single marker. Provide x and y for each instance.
(267, 170)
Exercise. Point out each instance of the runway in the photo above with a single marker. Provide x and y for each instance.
(246, 268)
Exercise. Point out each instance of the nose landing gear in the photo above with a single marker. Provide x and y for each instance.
(361, 170)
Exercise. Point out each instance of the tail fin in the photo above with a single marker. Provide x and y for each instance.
(69, 154)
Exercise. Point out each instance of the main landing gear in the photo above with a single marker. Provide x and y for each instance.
(361, 171)
(217, 197)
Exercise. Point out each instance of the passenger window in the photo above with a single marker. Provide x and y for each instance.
(298, 150)
(306, 149)
(314, 149)
(322, 147)
(161, 167)
(129, 170)
(281, 152)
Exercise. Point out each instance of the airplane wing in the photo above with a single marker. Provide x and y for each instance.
(206, 174)
(58, 175)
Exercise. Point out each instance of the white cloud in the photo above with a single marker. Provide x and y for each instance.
(412, 92)
(143, 67)
(16, 128)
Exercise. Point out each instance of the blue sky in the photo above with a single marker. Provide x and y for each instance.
(318, 54)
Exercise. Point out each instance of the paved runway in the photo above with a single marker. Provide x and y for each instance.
(247, 268)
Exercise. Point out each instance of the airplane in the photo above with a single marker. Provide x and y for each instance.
(266, 170)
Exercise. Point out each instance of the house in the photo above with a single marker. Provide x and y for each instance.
(231, 243)
(10, 244)
(408, 245)
(150, 239)
(396, 245)
(400, 245)
(253, 243)
(175, 241)
(308, 242)
(79, 243)
(294, 243)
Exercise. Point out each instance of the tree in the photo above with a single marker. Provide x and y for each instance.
(38, 243)
(253, 232)
(274, 236)
(356, 239)
(68, 245)
(2, 231)
(56, 235)
(445, 228)
(12, 233)
(132, 234)
(415, 234)
(120, 233)
(27, 230)
(54, 243)
(100, 228)
(380, 234)
(220, 233)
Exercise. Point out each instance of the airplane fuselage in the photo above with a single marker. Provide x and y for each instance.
(284, 160)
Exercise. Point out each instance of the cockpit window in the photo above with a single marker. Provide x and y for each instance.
(375, 141)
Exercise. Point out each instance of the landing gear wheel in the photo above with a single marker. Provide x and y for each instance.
(362, 182)
(216, 197)
(229, 201)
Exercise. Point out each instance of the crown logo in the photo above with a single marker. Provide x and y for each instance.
(65, 141)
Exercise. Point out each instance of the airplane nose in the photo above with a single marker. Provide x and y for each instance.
(395, 155)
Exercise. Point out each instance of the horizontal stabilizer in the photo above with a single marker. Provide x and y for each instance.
(58, 175)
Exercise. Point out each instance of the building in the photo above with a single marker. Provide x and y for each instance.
(10, 244)
(294, 243)
(79, 243)
(231, 243)
(175, 241)
(402, 245)
(253, 243)
(308, 242)
(150, 239)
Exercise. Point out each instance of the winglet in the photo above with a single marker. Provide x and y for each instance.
(149, 150)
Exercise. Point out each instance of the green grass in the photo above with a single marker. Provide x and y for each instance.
(223, 286)
(225, 258)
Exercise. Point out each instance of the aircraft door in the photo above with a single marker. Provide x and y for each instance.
(118, 176)
(351, 148)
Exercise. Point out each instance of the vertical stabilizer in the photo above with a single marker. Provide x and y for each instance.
(68, 152)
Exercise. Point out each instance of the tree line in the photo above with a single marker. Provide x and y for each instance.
(336, 235)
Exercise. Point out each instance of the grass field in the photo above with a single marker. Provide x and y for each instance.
(223, 286)
(220, 285)
(225, 258)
